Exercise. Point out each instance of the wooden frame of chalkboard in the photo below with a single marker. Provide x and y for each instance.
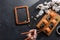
(16, 15)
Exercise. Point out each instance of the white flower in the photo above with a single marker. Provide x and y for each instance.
(54, 0)
(56, 10)
(40, 6)
(54, 6)
(58, 1)
(45, 2)
(40, 12)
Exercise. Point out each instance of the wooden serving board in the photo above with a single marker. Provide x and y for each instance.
(54, 20)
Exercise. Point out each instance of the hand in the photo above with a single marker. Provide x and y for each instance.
(32, 34)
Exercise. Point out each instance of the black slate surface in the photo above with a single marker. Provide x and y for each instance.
(8, 28)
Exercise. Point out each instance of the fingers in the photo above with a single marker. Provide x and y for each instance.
(25, 32)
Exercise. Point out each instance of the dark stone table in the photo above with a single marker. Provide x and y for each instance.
(8, 28)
